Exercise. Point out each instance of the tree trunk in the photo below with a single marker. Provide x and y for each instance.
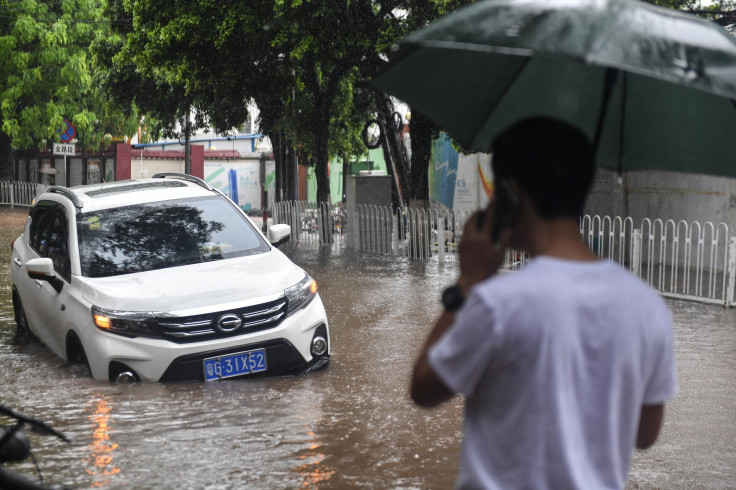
(187, 145)
(7, 159)
(321, 170)
(322, 135)
(278, 157)
(292, 175)
(321, 166)
(422, 132)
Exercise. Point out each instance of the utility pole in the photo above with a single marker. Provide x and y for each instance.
(187, 145)
(294, 160)
(264, 192)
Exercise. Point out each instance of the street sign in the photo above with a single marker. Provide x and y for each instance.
(62, 149)
(68, 132)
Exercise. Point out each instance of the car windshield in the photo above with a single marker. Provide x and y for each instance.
(163, 234)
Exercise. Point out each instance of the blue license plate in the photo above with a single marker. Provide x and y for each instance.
(249, 362)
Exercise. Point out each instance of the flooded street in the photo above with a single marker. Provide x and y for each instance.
(351, 425)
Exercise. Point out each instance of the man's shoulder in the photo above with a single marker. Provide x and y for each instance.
(551, 276)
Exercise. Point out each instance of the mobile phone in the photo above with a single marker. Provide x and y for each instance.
(505, 211)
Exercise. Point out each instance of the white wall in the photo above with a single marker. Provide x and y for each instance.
(665, 195)
(148, 167)
(241, 177)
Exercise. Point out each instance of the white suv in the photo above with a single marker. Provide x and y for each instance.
(163, 279)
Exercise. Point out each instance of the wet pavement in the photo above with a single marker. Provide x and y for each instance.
(351, 425)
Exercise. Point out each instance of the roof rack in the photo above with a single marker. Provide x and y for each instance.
(190, 178)
(73, 197)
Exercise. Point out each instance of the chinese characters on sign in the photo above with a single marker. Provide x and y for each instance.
(62, 149)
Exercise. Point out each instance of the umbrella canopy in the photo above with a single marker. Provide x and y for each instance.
(652, 87)
(48, 170)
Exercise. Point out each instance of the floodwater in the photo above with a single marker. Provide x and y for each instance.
(349, 426)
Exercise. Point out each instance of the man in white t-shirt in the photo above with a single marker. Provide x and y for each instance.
(565, 365)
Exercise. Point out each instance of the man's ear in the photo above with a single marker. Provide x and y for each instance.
(514, 185)
(525, 203)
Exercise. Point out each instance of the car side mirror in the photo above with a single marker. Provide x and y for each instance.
(42, 269)
(279, 234)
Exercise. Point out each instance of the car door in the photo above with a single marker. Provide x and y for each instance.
(26, 249)
(44, 302)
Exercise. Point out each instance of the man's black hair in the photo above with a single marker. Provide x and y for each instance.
(551, 160)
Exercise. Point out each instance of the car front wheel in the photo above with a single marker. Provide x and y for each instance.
(75, 352)
(24, 333)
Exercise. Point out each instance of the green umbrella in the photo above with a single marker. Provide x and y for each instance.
(652, 87)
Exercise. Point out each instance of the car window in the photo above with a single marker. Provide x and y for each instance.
(164, 234)
(41, 216)
(49, 237)
(58, 251)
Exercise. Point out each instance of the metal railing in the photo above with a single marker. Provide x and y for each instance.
(686, 260)
(19, 193)
(682, 260)
(310, 222)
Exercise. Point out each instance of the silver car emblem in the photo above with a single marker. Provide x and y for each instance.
(229, 323)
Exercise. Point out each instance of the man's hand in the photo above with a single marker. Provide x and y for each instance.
(427, 389)
(479, 259)
(650, 422)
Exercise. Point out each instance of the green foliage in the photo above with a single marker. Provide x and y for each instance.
(47, 74)
(300, 61)
(334, 47)
(100, 63)
(713, 9)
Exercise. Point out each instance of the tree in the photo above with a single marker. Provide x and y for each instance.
(300, 61)
(333, 48)
(266, 51)
(47, 77)
(721, 11)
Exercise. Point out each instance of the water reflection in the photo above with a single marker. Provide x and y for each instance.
(313, 470)
(159, 235)
(100, 463)
(140, 238)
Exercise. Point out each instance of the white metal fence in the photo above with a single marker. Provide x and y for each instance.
(19, 193)
(686, 260)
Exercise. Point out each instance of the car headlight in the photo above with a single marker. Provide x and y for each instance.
(128, 323)
(300, 294)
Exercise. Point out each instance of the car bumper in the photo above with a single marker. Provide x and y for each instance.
(288, 350)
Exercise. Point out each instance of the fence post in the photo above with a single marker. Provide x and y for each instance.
(295, 219)
(395, 233)
(441, 239)
(354, 226)
(320, 224)
(731, 289)
(12, 195)
(636, 252)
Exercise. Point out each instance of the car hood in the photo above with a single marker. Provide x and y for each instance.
(184, 290)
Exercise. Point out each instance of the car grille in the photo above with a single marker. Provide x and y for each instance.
(281, 355)
(222, 324)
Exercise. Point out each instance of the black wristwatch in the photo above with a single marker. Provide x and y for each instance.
(453, 298)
